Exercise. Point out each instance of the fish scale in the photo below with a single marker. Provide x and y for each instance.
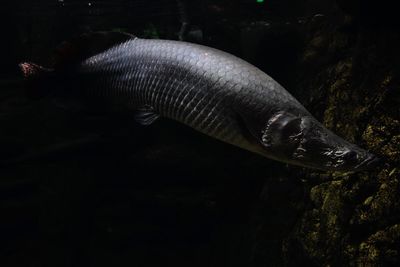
(180, 81)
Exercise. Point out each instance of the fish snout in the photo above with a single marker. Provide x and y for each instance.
(371, 162)
(357, 159)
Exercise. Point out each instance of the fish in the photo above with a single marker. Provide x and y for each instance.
(212, 91)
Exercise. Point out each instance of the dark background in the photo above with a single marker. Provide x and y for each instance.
(85, 190)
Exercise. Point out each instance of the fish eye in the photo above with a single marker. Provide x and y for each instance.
(351, 155)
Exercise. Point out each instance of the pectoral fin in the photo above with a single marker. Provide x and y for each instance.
(146, 115)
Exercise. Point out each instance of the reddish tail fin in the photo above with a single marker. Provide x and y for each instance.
(30, 69)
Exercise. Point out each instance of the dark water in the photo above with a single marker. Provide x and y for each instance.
(85, 190)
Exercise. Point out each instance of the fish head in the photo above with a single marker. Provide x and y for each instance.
(303, 141)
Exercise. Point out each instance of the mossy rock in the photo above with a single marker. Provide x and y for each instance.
(354, 220)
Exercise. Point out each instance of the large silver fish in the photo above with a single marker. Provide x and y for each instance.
(209, 90)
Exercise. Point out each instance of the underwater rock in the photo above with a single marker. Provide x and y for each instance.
(353, 220)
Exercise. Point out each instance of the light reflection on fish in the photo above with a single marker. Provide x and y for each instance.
(209, 90)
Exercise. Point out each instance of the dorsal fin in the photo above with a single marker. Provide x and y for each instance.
(70, 53)
(31, 70)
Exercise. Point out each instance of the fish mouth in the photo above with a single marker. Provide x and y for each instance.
(369, 163)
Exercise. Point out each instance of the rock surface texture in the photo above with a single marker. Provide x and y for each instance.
(351, 82)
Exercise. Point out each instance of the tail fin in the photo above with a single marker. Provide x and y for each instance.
(32, 70)
(41, 81)
(70, 53)
(36, 79)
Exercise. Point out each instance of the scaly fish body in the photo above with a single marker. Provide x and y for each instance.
(217, 94)
(199, 86)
